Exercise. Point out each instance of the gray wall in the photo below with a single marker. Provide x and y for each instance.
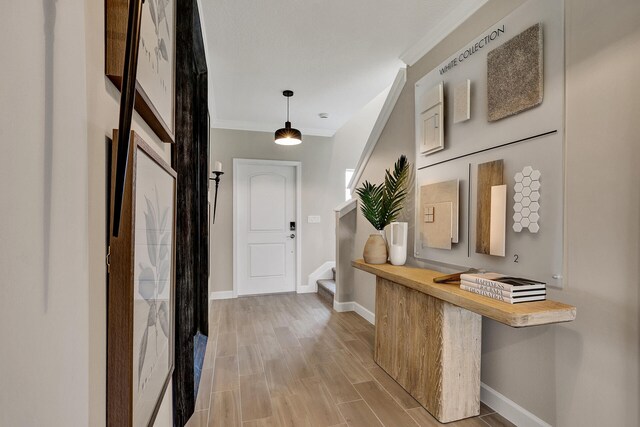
(324, 161)
(583, 373)
(322, 190)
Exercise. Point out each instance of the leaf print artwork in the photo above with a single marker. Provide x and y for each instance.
(154, 276)
(158, 11)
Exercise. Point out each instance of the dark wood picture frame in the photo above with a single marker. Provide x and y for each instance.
(121, 289)
(116, 18)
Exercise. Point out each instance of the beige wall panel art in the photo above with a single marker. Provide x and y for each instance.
(439, 203)
(437, 227)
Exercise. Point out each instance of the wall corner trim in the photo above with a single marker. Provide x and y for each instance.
(445, 27)
(322, 272)
(221, 295)
(509, 409)
(378, 127)
(344, 208)
(341, 307)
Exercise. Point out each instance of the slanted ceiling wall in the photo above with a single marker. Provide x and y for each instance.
(583, 373)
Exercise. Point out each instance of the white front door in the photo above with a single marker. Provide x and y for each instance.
(264, 213)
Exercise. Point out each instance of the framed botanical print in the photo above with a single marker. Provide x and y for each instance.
(155, 85)
(141, 288)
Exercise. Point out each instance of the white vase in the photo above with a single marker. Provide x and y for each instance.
(398, 243)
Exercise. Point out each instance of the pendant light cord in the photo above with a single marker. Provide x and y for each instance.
(287, 108)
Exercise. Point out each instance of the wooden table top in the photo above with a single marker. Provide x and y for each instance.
(515, 315)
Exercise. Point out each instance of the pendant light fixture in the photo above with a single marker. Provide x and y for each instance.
(288, 135)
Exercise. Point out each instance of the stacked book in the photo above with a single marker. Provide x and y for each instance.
(504, 288)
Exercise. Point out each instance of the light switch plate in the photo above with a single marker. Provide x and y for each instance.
(313, 219)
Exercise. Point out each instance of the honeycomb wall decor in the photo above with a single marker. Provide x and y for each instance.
(526, 199)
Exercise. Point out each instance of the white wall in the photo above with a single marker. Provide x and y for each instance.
(56, 109)
(43, 227)
(583, 373)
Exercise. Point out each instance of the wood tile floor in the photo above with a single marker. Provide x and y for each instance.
(290, 360)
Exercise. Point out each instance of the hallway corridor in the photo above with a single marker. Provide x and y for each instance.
(289, 360)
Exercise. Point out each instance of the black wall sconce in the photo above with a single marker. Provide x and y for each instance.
(217, 172)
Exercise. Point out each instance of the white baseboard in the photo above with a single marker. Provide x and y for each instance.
(341, 307)
(322, 272)
(221, 295)
(509, 409)
(306, 289)
(354, 306)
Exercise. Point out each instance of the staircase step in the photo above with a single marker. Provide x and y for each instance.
(327, 284)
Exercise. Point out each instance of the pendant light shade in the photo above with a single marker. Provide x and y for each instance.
(288, 135)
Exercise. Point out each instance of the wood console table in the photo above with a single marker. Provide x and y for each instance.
(428, 335)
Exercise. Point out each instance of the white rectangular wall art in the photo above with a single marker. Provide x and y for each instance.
(462, 101)
(526, 198)
(430, 120)
(498, 222)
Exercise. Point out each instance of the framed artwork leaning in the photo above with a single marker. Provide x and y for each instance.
(141, 290)
(155, 85)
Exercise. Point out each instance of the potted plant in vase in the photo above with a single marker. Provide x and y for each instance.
(381, 204)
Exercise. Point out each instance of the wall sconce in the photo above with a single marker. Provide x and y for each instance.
(217, 171)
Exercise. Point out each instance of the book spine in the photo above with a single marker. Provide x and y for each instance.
(505, 293)
(486, 282)
(500, 297)
(484, 293)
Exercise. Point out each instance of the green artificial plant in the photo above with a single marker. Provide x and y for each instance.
(381, 203)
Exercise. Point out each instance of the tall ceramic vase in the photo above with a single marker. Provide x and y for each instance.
(375, 250)
(398, 243)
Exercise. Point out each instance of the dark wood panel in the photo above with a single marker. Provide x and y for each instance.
(190, 157)
(489, 174)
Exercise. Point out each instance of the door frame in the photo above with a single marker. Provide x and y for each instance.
(236, 226)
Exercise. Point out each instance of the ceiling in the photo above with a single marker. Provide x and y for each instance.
(336, 55)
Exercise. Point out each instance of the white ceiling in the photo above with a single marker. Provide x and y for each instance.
(336, 55)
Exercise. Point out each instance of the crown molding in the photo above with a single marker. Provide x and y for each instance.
(262, 127)
(457, 16)
(378, 127)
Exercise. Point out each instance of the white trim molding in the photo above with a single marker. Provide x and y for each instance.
(341, 307)
(322, 272)
(378, 127)
(509, 409)
(221, 295)
(344, 208)
(446, 26)
(298, 168)
(265, 127)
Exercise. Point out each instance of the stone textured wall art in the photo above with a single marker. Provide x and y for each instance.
(462, 102)
(527, 200)
(439, 226)
(515, 75)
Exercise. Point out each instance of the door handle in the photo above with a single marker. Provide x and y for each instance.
(291, 236)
